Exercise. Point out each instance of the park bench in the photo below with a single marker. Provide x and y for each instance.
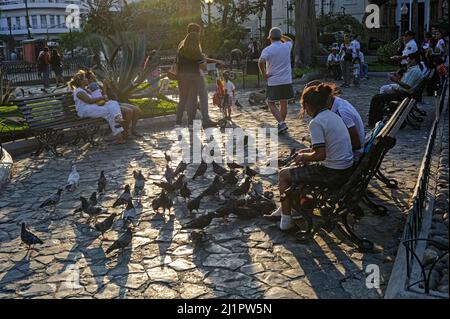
(51, 117)
(332, 206)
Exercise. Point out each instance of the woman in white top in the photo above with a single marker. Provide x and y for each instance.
(87, 106)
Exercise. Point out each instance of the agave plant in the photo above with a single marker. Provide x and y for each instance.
(124, 57)
(5, 90)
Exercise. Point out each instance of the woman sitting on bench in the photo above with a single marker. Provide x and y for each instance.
(100, 107)
(331, 145)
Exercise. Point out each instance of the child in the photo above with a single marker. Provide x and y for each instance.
(229, 94)
(94, 88)
(356, 71)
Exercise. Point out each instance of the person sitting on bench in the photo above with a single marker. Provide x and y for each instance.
(100, 107)
(331, 145)
(399, 90)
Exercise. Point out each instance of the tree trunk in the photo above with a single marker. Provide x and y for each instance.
(306, 41)
(269, 5)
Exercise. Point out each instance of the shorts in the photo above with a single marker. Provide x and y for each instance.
(280, 93)
(319, 175)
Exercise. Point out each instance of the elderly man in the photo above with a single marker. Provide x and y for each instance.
(275, 65)
(399, 90)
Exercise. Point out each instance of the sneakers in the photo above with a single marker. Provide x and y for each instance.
(282, 128)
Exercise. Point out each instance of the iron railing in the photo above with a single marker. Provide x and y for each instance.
(411, 237)
(24, 73)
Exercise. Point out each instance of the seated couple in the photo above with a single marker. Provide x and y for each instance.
(92, 101)
(337, 136)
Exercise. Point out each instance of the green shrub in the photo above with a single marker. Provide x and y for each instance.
(388, 50)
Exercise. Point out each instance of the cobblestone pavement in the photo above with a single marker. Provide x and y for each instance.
(242, 259)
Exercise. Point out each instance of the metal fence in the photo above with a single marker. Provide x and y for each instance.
(26, 73)
(411, 237)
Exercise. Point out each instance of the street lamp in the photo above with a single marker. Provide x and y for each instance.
(209, 3)
(404, 12)
(27, 17)
(289, 8)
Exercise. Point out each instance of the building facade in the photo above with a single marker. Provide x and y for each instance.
(47, 20)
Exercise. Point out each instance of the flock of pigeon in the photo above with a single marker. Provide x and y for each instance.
(245, 199)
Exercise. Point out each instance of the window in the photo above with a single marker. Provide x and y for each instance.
(62, 20)
(34, 22)
(52, 21)
(18, 24)
(43, 22)
(8, 23)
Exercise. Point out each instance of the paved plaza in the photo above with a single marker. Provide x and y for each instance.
(241, 258)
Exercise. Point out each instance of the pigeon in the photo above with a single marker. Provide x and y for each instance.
(180, 168)
(167, 157)
(219, 170)
(123, 199)
(250, 172)
(200, 222)
(166, 202)
(185, 192)
(257, 190)
(243, 188)
(214, 188)
(73, 179)
(139, 182)
(101, 183)
(231, 178)
(105, 225)
(92, 211)
(122, 242)
(234, 165)
(247, 212)
(162, 201)
(179, 182)
(198, 236)
(200, 170)
(287, 161)
(52, 200)
(129, 214)
(93, 199)
(169, 188)
(168, 174)
(28, 237)
(194, 204)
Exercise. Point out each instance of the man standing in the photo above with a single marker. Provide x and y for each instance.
(275, 65)
(202, 87)
(44, 66)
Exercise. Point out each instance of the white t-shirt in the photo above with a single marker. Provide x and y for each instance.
(328, 130)
(440, 46)
(355, 45)
(229, 87)
(361, 56)
(334, 58)
(278, 63)
(410, 48)
(351, 118)
(79, 103)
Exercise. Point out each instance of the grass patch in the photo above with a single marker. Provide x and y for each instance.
(153, 107)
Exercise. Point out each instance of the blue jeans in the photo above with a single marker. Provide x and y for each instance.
(364, 69)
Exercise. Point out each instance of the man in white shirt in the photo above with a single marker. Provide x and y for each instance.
(410, 47)
(355, 45)
(334, 63)
(275, 65)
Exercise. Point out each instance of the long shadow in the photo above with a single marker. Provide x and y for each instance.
(21, 270)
